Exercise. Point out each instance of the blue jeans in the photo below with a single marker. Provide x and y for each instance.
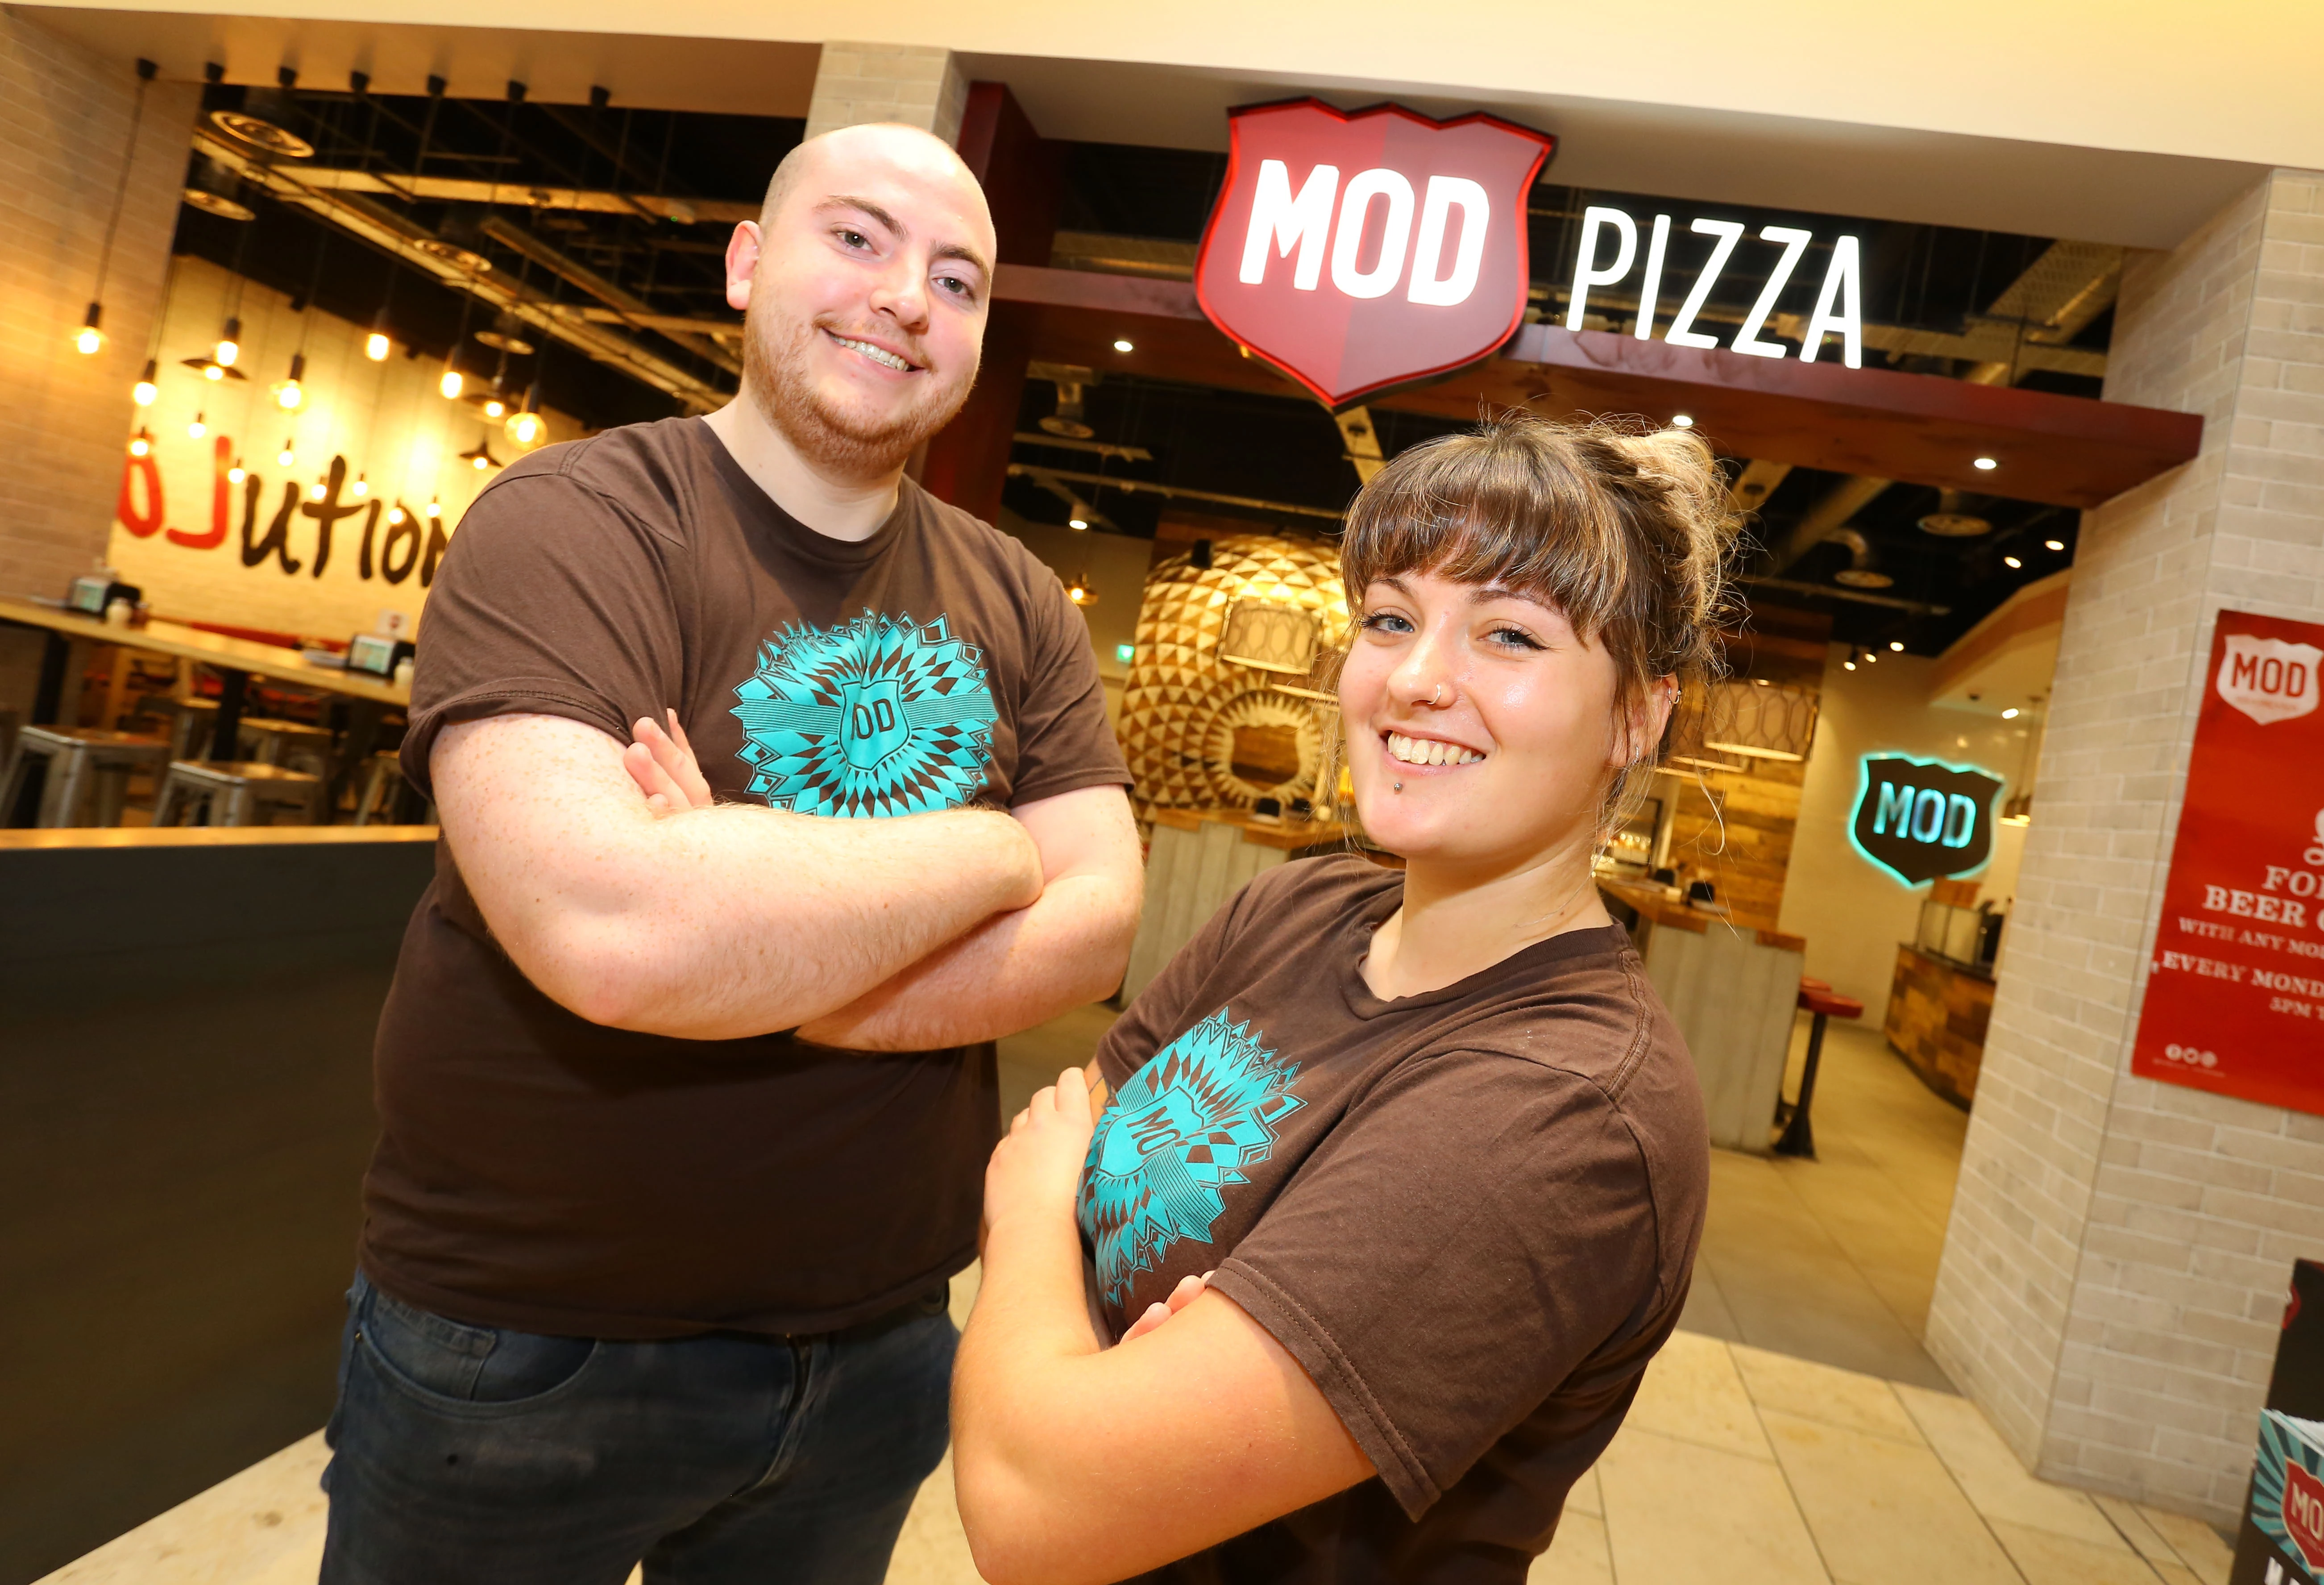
(469, 1454)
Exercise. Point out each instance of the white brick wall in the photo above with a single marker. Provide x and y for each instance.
(918, 85)
(64, 127)
(2116, 1260)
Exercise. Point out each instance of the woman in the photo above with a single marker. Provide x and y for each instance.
(1401, 1177)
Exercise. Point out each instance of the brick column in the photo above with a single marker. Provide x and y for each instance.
(64, 418)
(919, 85)
(2116, 1266)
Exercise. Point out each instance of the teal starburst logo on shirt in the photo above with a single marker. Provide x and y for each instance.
(879, 716)
(1183, 1127)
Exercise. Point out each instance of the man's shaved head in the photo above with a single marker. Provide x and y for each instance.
(890, 140)
(865, 282)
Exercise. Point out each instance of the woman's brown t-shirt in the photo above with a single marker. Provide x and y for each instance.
(1470, 1215)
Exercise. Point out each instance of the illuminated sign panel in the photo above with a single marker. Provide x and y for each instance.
(1357, 252)
(1922, 820)
(1610, 248)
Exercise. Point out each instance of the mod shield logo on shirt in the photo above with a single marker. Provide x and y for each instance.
(1358, 251)
(1922, 820)
(1182, 1129)
(881, 716)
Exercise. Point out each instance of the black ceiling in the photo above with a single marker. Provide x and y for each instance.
(1280, 450)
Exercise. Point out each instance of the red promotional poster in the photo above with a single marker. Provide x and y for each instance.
(2235, 994)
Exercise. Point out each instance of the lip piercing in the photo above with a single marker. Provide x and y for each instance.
(1396, 787)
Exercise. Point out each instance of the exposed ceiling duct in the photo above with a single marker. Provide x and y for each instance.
(355, 213)
(1863, 568)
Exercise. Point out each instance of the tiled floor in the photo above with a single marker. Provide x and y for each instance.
(1737, 1465)
(1796, 1433)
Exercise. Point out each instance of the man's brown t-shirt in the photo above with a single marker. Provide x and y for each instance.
(1470, 1214)
(541, 1172)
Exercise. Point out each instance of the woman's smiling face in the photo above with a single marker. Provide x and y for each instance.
(1480, 728)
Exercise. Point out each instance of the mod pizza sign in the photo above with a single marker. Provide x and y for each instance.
(1360, 251)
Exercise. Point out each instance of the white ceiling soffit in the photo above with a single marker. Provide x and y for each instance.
(2138, 200)
(1707, 156)
(733, 76)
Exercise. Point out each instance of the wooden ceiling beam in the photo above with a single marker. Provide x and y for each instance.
(2060, 450)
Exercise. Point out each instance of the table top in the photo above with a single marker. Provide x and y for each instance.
(186, 643)
(1278, 834)
(206, 836)
(1655, 908)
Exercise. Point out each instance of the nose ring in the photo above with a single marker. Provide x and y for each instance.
(1437, 698)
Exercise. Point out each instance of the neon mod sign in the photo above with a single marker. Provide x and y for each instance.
(1922, 819)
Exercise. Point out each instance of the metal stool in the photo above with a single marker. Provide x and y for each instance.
(80, 761)
(247, 791)
(1819, 999)
(290, 743)
(379, 789)
(191, 722)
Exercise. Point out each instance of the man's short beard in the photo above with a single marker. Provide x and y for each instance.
(778, 380)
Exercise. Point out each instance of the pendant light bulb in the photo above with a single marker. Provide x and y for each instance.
(140, 443)
(236, 473)
(198, 428)
(286, 457)
(213, 371)
(229, 346)
(394, 517)
(316, 491)
(360, 488)
(146, 389)
(525, 430)
(89, 339)
(495, 407)
(289, 394)
(450, 384)
(433, 509)
(376, 347)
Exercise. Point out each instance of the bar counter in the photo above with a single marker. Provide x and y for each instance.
(1938, 1010)
(185, 1117)
(1732, 992)
(1195, 861)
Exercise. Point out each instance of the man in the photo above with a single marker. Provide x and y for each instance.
(684, 1109)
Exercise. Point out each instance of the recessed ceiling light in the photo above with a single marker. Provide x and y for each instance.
(1896, 646)
(2053, 544)
(1123, 347)
(1985, 465)
(1682, 420)
(2010, 713)
(2011, 561)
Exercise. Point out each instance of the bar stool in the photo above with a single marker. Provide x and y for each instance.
(191, 723)
(80, 761)
(248, 791)
(1821, 999)
(290, 743)
(379, 789)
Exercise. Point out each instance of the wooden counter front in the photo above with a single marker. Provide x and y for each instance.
(1937, 1015)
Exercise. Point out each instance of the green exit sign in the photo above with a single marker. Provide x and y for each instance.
(1124, 652)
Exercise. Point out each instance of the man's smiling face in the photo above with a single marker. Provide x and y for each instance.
(866, 297)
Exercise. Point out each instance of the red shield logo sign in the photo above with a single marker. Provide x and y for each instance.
(1358, 251)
